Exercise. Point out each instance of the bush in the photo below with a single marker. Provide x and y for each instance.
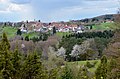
(27, 38)
(90, 65)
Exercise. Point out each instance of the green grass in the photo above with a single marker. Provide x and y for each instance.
(103, 26)
(60, 34)
(81, 63)
(31, 35)
(10, 31)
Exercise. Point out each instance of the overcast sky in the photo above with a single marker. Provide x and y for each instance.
(55, 10)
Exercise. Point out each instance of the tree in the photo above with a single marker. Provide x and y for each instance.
(33, 68)
(6, 66)
(39, 21)
(113, 71)
(27, 38)
(68, 44)
(5, 24)
(61, 52)
(113, 54)
(26, 21)
(54, 30)
(19, 32)
(91, 27)
(83, 73)
(44, 37)
(101, 72)
(67, 74)
(4, 42)
(17, 65)
(101, 44)
(52, 74)
(113, 51)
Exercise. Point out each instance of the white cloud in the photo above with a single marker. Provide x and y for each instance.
(3, 1)
(14, 7)
(9, 9)
(77, 11)
(7, 6)
(61, 10)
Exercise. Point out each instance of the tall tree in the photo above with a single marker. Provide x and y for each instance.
(101, 72)
(113, 51)
(33, 67)
(16, 61)
(27, 38)
(4, 42)
(19, 32)
(6, 65)
(54, 30)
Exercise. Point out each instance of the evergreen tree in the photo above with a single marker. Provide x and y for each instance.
(44, 37)
(54, 30)
(16, 61)
(113, 72)
(5, 63)
(27, 38)
(101, 72)
(19, 32)
(4, 42)
(91, 27)
(33, 68)
(39, 21)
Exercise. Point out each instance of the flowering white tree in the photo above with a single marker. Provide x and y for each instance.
(83, 49)
(61, 52)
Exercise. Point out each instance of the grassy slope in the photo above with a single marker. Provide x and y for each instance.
(103, 26)
(32, 34)
(81, 63)
(60, 34)
(10, 31)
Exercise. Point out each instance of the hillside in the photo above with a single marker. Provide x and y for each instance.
(96, 20)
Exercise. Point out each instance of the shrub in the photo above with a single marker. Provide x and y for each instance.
(90, 65)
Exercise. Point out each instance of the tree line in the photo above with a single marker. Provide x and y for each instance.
(104, 34)
(101, 40)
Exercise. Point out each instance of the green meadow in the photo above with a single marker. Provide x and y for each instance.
(81, 63)
(103, 26)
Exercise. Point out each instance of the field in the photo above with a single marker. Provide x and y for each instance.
(103, 26)
(31, 35)
(81, 63)
(60, 34)
(10, 31)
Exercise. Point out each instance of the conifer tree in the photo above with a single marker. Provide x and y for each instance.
(33, 67)
(19, 32)
(6, 65)
(54, 30)
(4, 42)
(16, 61)
(27, 38)
(101, 72)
